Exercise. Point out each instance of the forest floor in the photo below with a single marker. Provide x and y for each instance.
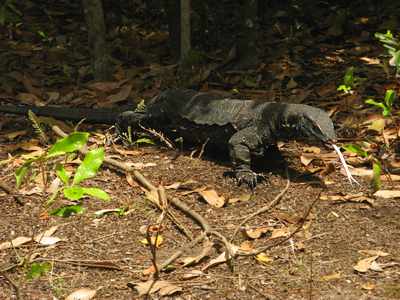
(328, 239)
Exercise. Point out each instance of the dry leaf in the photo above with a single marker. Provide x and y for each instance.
(48, 232)
(312, 149)
(368, 286)
(192, 274)
(216, 261)
(280, 232)
(306, 159)
(365, 264)
(122, 95)
(15, 242)
(150, 287)
(82, 294)
(246, 246)
(356, 198)
(149, 270)
(49, 240)
(12, 135)
(212, 198)
(256, 233)
(105, 86)
(205, 252)
(30, 99)
(331, 277)
(223, 257)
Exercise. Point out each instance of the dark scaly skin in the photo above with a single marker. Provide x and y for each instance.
(244, 127)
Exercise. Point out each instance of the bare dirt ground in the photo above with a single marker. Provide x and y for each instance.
(347, 228)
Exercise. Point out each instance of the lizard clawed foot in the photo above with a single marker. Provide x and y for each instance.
(247, 176)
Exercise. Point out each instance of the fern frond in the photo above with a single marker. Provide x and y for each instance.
(37, 126)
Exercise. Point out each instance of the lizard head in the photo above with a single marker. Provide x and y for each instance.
(316, 124)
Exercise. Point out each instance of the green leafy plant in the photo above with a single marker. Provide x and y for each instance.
(38, 269)
(349, 81)
(9, 13)
(392, 45)
(45, 38)
(387, 103)
(71, 185)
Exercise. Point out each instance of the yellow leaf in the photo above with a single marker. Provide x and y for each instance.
(331, 277)
(157, 243)
(263, 258)
(368, 286)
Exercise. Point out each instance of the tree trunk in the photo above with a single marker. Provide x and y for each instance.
(246, 45)
(178, 14)
(94, 15)
(185, 36)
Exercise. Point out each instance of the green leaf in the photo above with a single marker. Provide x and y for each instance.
(344, 88)
(144, 141)
(21, 172)
(90, 165)
(74, 193)
(77, 192)
(390, 96)
(62, 174)
(355, 149)
(348, 78)
(38, 269)
(378, 104)
(67, 211)
(97, 193)
(71, 143)
(377, 171)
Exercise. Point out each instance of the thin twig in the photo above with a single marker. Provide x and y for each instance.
(263, 209)
(159, 135)
(182, 250)
(264, 248)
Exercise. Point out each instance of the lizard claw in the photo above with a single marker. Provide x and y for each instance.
(247, 176)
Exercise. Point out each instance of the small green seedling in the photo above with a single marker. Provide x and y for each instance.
(376, 164)
(72, 188)
(38, 269)
(349, 81)
(387, 103)
(392, 46)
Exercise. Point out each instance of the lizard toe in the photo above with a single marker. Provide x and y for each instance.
(246, 176)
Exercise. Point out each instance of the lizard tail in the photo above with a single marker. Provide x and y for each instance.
(107, 116)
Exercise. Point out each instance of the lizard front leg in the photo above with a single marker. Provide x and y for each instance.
(241, 145)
